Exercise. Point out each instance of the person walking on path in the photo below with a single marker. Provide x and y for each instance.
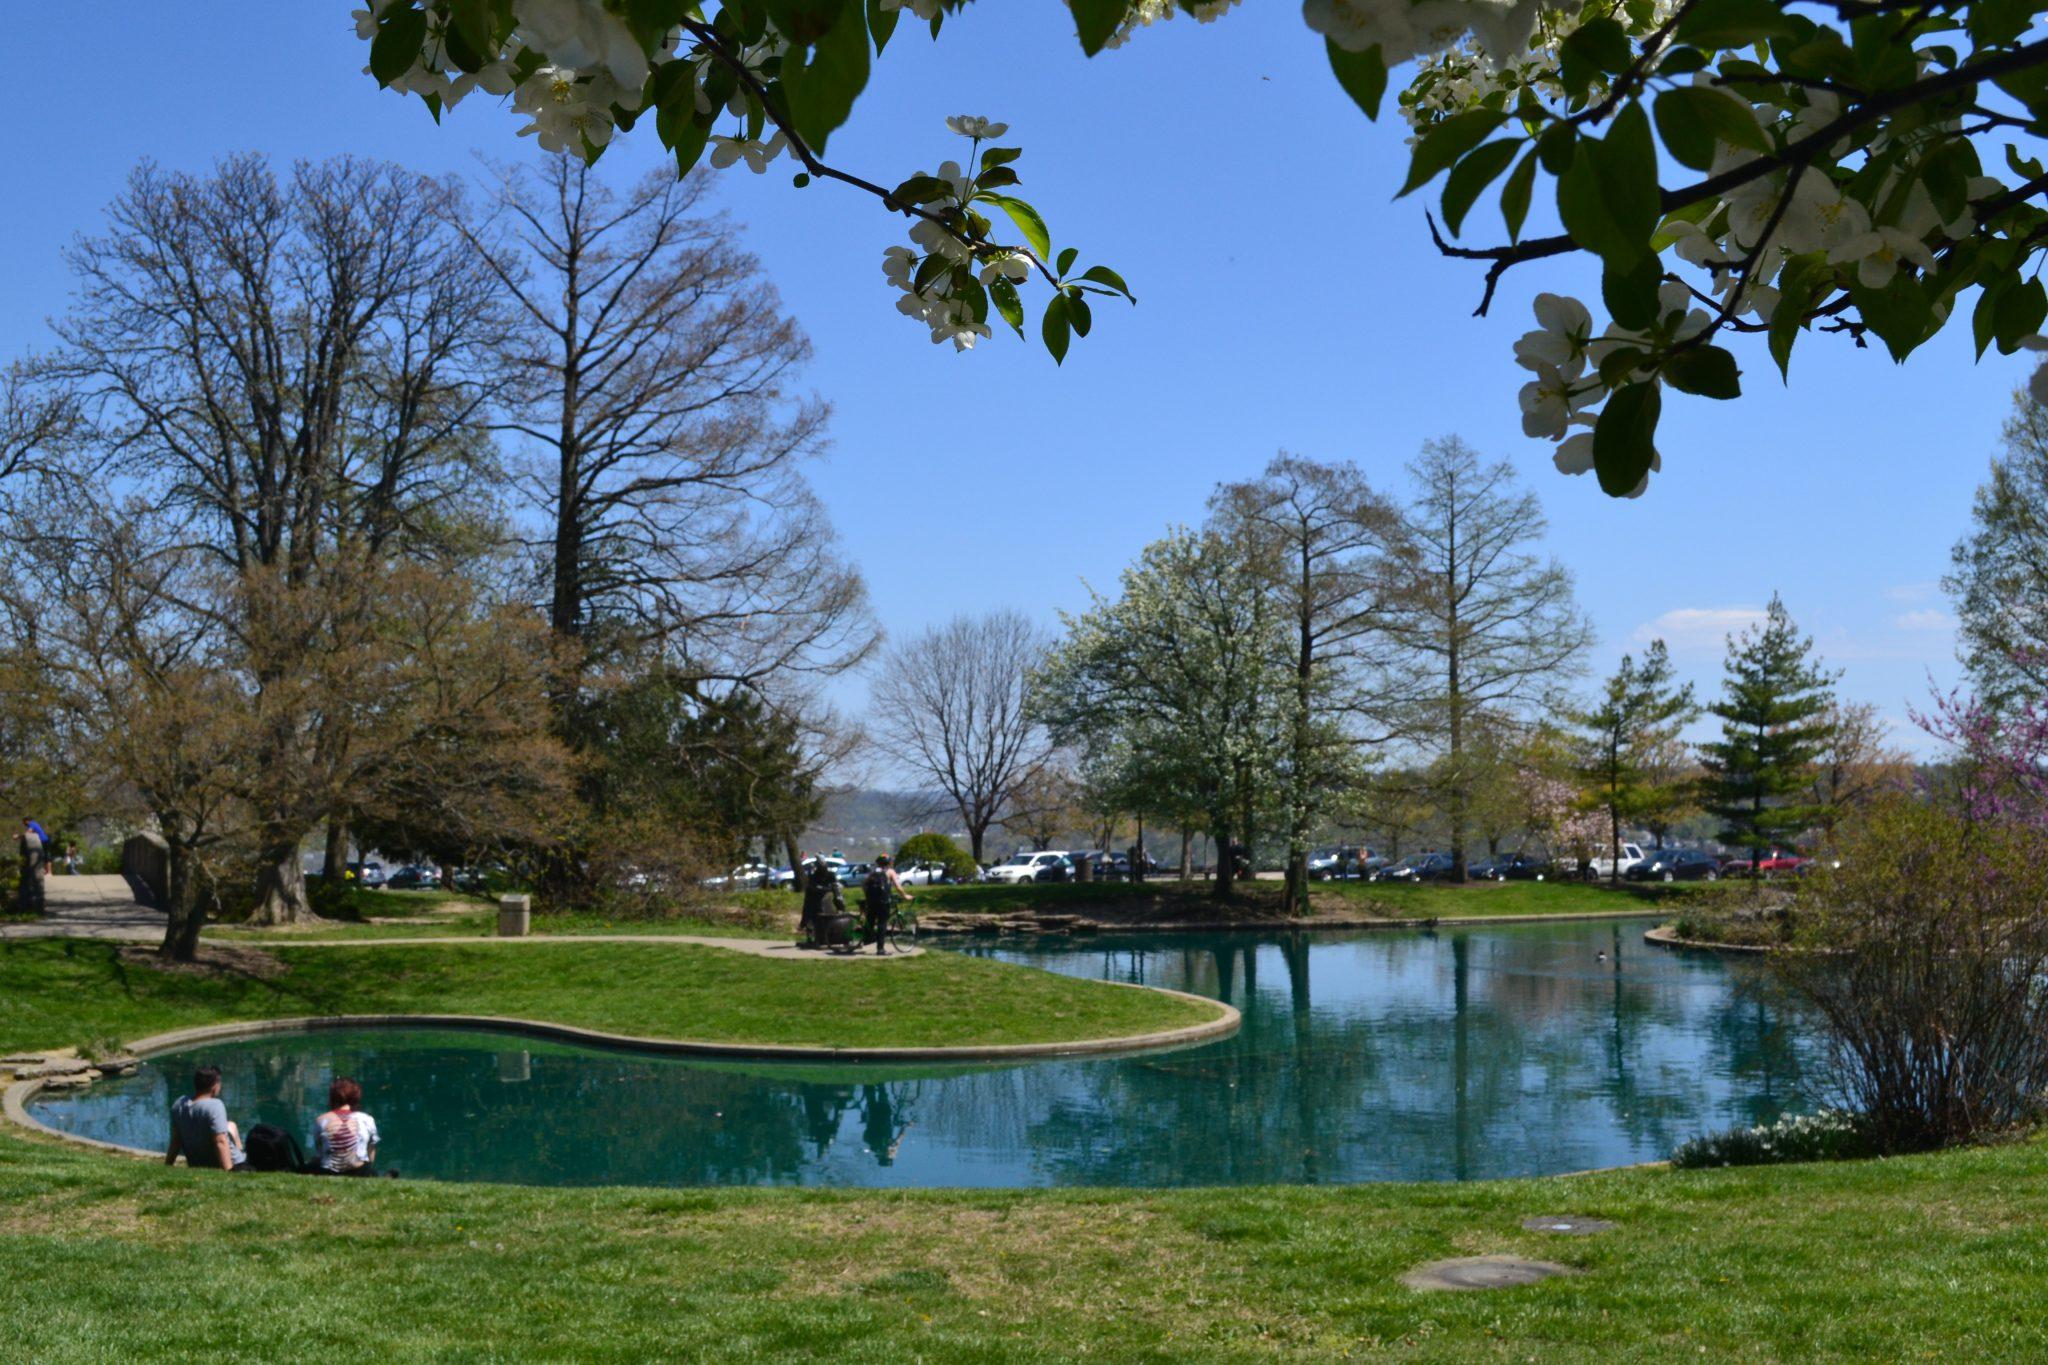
(880, 892)
(34, 854)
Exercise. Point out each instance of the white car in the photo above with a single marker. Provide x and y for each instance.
(784, 878)
(1631, 854)
(921, 874)
(1049, 866)
(745, 877)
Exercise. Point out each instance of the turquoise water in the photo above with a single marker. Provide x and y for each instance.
(1456, 1055)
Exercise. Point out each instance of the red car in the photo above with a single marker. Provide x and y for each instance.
(1776, 863)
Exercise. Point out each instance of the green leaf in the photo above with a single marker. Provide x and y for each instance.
(1448, 141)
(999, 156)
(1557, 145)
(1079, 314)
(1630, 292)
(397, 44)
(2019, 313)
(1898, 313)
(1733, 23)
(1003, 295)
(1608, 199)
(822, 85)
(1692, 118)
(476, 22)
(1625, 438)
(1596, 46)
(1097, 20)
(881, 24)
(1707, 371)
(1052, 328)
(1027, 220)
(1472, 175)
(1514, 196)
(1362, 74)
(1801, 284)
(1103, 275)
(1066, 261)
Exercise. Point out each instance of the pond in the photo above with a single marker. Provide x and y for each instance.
(1460, 1054)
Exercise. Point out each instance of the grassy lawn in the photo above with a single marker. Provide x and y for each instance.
(1501, 898)
(1924, 1258)
(1261, 900)
(60, 992)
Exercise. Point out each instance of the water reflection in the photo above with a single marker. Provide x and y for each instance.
(1461, 1055)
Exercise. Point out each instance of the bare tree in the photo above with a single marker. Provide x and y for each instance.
(1336, 555)
(1493, 627)
(1855, 766)
(655, 391)
(951, 706)
(295, 370)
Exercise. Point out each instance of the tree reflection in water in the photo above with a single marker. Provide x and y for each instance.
(1455, 1055)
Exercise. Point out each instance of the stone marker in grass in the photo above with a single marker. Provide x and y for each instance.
(1482, 1272)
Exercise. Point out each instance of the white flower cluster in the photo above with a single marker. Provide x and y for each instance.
(1402, 29)
(1145, 13)
(1744, 242)
(1462, 75)
(923, 9)
(938, 303)
(1565, 357)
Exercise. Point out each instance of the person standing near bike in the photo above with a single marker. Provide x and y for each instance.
(880, 891)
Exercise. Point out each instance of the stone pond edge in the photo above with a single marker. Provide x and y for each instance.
(14, 1105)
(1664, 936)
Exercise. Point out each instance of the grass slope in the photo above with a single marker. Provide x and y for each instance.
(60, 992)
(1925, 1258)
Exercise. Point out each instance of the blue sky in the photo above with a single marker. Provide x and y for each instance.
(1285, 302)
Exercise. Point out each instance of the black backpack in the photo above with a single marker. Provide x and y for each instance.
(270, 1148)
(876, 889)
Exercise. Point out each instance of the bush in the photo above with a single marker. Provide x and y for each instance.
(1924, 954)
(1830, 1135)
(937, 848)
(101, 860)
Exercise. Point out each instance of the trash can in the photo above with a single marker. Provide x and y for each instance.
(515, 916)
(834, 929)
(1084, 868)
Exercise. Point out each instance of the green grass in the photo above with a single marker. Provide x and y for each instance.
(1487, 899)
(63, 992)
(1933, 1258)
(1262, 899)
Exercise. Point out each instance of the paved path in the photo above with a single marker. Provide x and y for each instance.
(780, 948)
(104, 908)
(91, 907)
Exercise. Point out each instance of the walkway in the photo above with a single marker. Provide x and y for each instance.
(781, 948)
(91, 907)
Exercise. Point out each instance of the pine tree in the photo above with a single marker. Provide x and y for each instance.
(1640, 711)
(1774, 723)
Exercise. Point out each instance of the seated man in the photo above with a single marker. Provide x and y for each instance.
(201, 1129)
(345, 1138)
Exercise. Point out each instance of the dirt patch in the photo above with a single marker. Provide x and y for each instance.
(214, 961)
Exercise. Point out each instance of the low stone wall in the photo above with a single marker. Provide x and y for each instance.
(146, 863)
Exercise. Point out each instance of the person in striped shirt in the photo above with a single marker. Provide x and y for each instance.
(345, 1138)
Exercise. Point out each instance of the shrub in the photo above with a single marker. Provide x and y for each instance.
(101, 860)
(1830, 1135)
(937, 848)
(1924, 954)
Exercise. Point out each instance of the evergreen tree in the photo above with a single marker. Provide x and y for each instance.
(1774, 724)
(1640, 711)
(2000, 578)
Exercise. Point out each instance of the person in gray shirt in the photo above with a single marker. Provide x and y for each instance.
(201, 1128)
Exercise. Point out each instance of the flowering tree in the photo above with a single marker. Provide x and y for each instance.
(2001, 773)
(1826, 161)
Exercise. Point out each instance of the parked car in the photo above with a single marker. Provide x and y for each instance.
(1104, 866)
(1049, 865)
(853, 874)
(368, 874)
(1631, 854)
(1776, 863)
(1325, 863)
(785, 877)
(746, 876)
(923, 874)
(1416, 867)
(1511, 867)
(1676, 865)
(413, 878)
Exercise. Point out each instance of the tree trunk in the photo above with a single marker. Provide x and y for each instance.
(1187, 854)
(1225, 861)
(799, 878)
(976, 835)
(281, 886)
(334, 864)
(183, 915)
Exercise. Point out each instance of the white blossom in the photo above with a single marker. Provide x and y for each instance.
(583, 34)
(969, 126)
(1878, 253)
(757, 155)
(1564, 328)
